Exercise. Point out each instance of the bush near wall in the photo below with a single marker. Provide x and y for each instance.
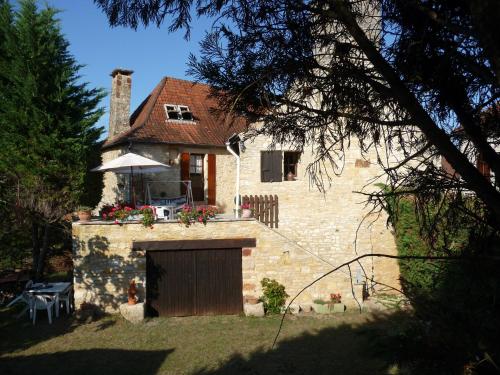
(456, 303)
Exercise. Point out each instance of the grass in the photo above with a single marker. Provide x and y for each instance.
(343, 344)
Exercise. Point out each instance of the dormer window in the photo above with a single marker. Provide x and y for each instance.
(185, 113)
(178, 112)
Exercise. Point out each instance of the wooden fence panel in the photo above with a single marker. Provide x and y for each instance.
(276, 211)
(265, 208)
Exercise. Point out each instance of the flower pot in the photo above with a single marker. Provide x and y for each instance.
(338, 308)
(135, 217)
(321, 308)
(246, 213)
(84, 215)
(132, 300)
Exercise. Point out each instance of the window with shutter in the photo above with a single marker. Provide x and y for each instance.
(271, 166)
(290, 165)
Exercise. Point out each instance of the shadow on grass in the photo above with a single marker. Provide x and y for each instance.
(381, 345)
(92, 361)
(19, 333)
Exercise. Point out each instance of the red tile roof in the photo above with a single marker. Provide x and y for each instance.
(149, 123)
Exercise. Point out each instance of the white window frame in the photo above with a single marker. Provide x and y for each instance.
(197, 166)
(179, 109)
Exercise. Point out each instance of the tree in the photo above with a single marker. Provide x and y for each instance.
(47, 121)
(385, 72)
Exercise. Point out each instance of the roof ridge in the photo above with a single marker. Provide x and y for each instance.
(186, 80)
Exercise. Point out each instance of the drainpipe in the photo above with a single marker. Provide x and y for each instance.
(231, 151)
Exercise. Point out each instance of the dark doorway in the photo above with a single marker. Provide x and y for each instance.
(192, 169)
(194, 282)
(196, 176)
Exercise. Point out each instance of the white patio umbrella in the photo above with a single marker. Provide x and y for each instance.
(131, 163)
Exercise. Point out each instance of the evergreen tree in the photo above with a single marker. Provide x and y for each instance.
(329, 72)
(47, 121)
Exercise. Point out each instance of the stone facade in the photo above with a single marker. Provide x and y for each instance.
(317, 230)
(335, 225)
(105, 262)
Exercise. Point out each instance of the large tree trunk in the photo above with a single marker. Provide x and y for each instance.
(435, 135)
(43, 252)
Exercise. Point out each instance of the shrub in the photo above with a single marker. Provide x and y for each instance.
(274, 297)
(456, 302)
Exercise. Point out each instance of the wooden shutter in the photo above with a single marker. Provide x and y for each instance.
(265, 166)
(483, 167)
(271, 166)
(277, 166)
(184, 170)
(211, 179)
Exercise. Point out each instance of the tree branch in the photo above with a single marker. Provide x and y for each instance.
(377, 255)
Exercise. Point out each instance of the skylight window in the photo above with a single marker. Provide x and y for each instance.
(178, 112)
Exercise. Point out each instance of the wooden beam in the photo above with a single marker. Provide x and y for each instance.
(227, 243)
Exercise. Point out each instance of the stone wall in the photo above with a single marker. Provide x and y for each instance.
(225, 182)
(104, 262)
(335, 225)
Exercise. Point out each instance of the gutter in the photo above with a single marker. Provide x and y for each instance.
(234, 140)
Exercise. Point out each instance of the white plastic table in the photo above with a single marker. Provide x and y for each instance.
(55, 289)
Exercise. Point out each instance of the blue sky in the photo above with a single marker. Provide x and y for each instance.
(151, 53)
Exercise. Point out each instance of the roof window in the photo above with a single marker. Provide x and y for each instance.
(178, 112)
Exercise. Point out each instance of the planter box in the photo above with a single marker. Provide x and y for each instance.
(321, 308)
(133, 313)
(338, 308)
(135, 217)
(254, 310)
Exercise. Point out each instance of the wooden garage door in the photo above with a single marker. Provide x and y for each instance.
(194, 282)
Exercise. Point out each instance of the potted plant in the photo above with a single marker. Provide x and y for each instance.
(121, 212)
(336, 303)
(321, 307)
(246, 211)
(190, 215)
(274, 296)
(84, 213)
(132, 293)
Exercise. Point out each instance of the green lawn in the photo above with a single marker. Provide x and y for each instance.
(348, 344)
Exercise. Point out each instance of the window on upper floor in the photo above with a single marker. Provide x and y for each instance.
(290, 165)
(277, 166)
(178, 112)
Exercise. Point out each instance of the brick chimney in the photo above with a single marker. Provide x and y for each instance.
(119, 111)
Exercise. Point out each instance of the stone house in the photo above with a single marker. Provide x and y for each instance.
(317, 231)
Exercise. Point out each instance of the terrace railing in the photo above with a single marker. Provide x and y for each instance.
(265, 208)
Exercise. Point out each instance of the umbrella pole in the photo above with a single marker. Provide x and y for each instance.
(133, 185)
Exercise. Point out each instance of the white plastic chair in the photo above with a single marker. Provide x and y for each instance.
(25, 298)
(43, 302)
(67, 298)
